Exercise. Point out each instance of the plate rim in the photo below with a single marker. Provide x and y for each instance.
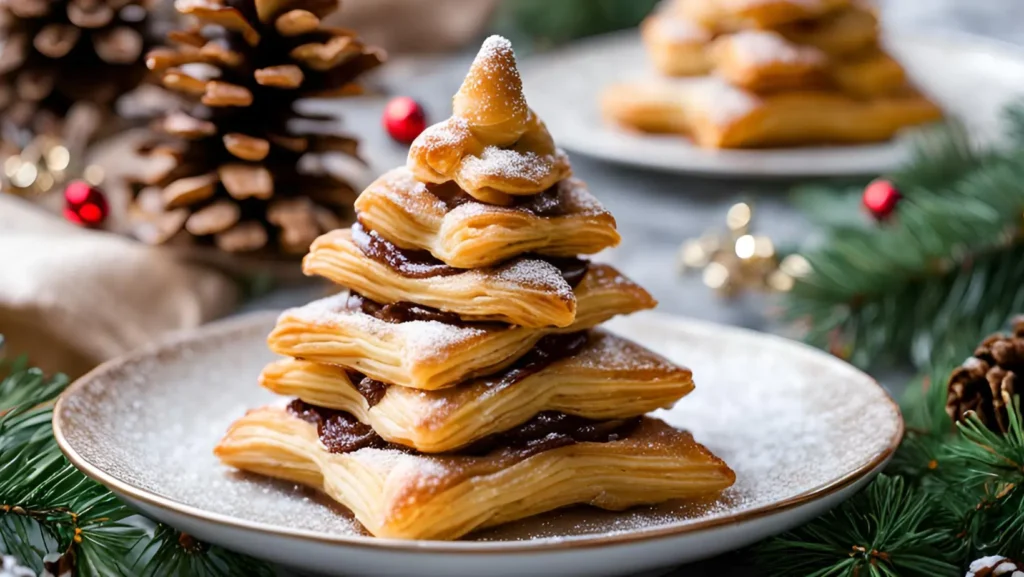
(955, 39)
(246, 321)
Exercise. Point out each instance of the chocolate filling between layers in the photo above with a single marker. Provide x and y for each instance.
(546, 204)
(340, 432)
(548, 350)
(420, 264)
(406, 262)
(401, 312)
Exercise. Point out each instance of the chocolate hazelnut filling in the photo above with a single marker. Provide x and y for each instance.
(548, 350)
(421, 264)
(400, 312)
(340, 432)
(546, 204)
(406, 262)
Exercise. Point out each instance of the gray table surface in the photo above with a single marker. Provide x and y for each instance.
(656, 212)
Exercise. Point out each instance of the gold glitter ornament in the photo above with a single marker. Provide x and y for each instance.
(736, 260)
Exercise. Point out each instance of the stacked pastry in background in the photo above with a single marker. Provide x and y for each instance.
(461, 382)
(750, 73)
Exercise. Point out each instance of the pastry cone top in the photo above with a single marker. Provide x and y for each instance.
(493, 146)
(565, 220)
(491, 98)
(603, 377)
(395, 493)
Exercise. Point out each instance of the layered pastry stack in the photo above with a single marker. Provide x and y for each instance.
(749, 73)
(461, 382)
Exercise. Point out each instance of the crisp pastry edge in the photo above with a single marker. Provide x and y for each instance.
(408, 497)
(427, 422)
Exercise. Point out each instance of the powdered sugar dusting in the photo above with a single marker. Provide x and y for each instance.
(678, 29)
(767, 47)
(578, 200)
(608, 352)
(535, 274)
(422, 340)
(449, 133)
(494, 80)
(720, 101)
(508, 164)
(401, 465)
(787, 419)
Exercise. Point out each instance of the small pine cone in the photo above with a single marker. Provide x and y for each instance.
(986, 382)
(995, 566)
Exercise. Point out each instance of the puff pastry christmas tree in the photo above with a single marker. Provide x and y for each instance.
(461, 382)
(235, 179)
(748, 73)
(60, 52)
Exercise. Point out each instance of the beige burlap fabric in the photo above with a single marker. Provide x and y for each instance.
(72, 298)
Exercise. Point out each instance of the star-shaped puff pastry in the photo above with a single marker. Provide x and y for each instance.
(493, 146)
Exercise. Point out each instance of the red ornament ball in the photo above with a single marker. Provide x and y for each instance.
(85, 205)
(880, 198)
(404, 119)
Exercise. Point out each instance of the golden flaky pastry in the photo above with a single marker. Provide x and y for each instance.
(524, 291)
(718, 115)
(430, 354)
(606, 377)
(731, 15)
(677, 44)
(565, 220)
(845, 32)
(493, 146)
(764, 61)
(412, 496)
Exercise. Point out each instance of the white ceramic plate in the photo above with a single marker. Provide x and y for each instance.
(969, 77)
(802, 430)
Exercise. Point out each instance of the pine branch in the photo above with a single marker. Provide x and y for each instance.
(886, 530)
(48, 506)
(923, 456)
(949, 262)
(174, 553)
(988, 487)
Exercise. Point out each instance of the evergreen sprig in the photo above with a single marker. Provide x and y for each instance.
(949, 261)
(951, 494)
(888, 530)
(990, 484)
(52, 515)
(926, 285)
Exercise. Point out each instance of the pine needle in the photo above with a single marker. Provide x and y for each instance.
(48, 506)
(887, 529)
(950, 262)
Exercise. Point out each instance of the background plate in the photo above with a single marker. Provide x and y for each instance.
(971, 78)
(802, 430)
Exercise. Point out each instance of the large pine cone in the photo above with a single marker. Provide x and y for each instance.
(59, 52)
(234, 179)
(986, 382)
